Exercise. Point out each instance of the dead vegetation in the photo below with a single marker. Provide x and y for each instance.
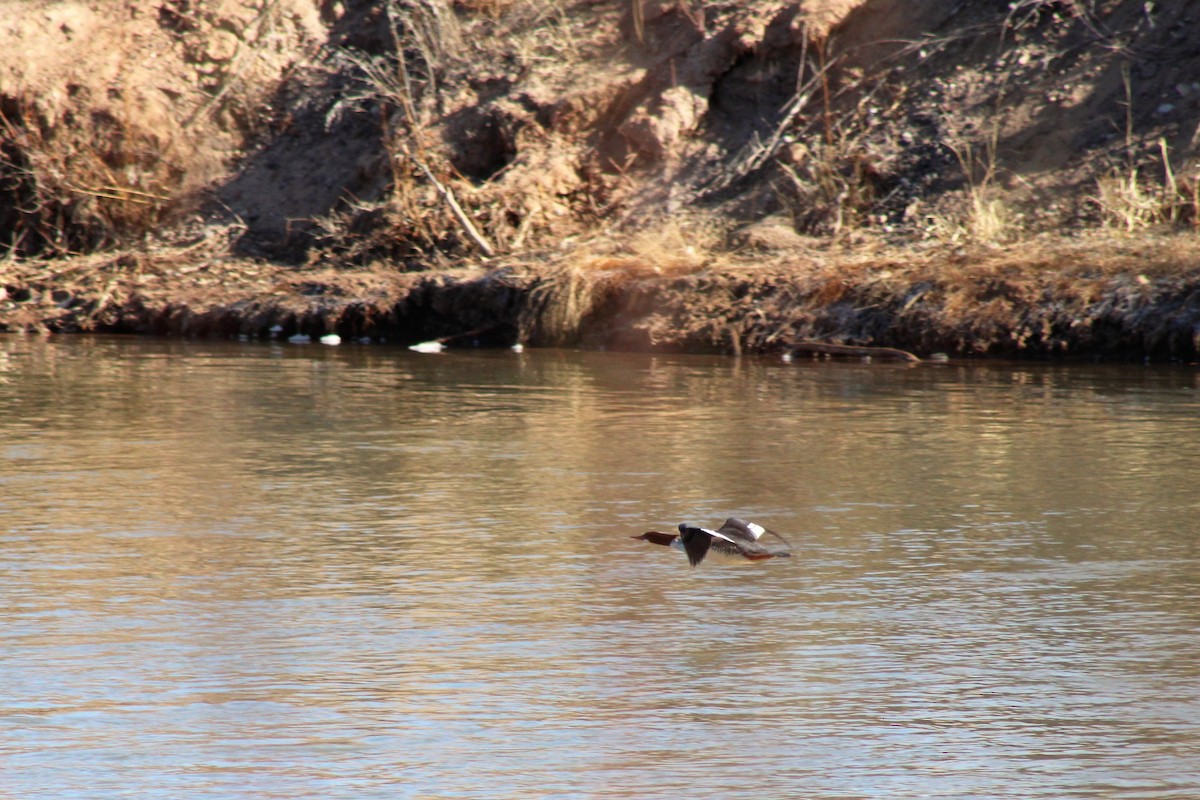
(614, 153)
(495, 148)
(580, 285)
(115, 116)
(80, 189)
(1111, 297)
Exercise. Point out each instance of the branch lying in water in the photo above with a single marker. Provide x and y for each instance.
(887, 353)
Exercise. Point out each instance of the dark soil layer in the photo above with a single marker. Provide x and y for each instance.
(1112, 299)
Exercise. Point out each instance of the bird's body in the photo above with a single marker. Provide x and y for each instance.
(736, 538)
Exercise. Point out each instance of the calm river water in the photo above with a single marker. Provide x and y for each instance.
(289, 571)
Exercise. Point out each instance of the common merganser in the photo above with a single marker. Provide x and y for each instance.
(736, 537)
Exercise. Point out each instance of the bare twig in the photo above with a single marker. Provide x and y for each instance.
(448, 195)
(755, 154)
(825, 348)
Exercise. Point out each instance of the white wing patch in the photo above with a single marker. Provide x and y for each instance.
(718, 535)
(756, 529)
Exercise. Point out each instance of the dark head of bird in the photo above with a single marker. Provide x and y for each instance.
(656, 537)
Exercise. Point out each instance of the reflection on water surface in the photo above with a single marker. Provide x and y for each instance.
(307, 572)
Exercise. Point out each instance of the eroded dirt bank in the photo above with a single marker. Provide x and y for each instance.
(1116, 299)
(980, 178)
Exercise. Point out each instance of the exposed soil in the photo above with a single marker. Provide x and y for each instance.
(1138, 299)
(979, 177)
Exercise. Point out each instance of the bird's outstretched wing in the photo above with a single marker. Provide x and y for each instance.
(748, 530)
(736, 537)
(696, 542)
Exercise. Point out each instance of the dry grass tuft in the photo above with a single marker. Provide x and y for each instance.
(984, 217)
(829, 190)
(1125, 202)
(560, 306)
(1130, 203)
(675, 246)
(556, 309)
(67, 189)
(981, 218)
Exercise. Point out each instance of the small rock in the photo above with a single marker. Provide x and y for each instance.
(222, 46)
(772, 233)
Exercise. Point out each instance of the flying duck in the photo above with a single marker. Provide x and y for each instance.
(736, 537)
